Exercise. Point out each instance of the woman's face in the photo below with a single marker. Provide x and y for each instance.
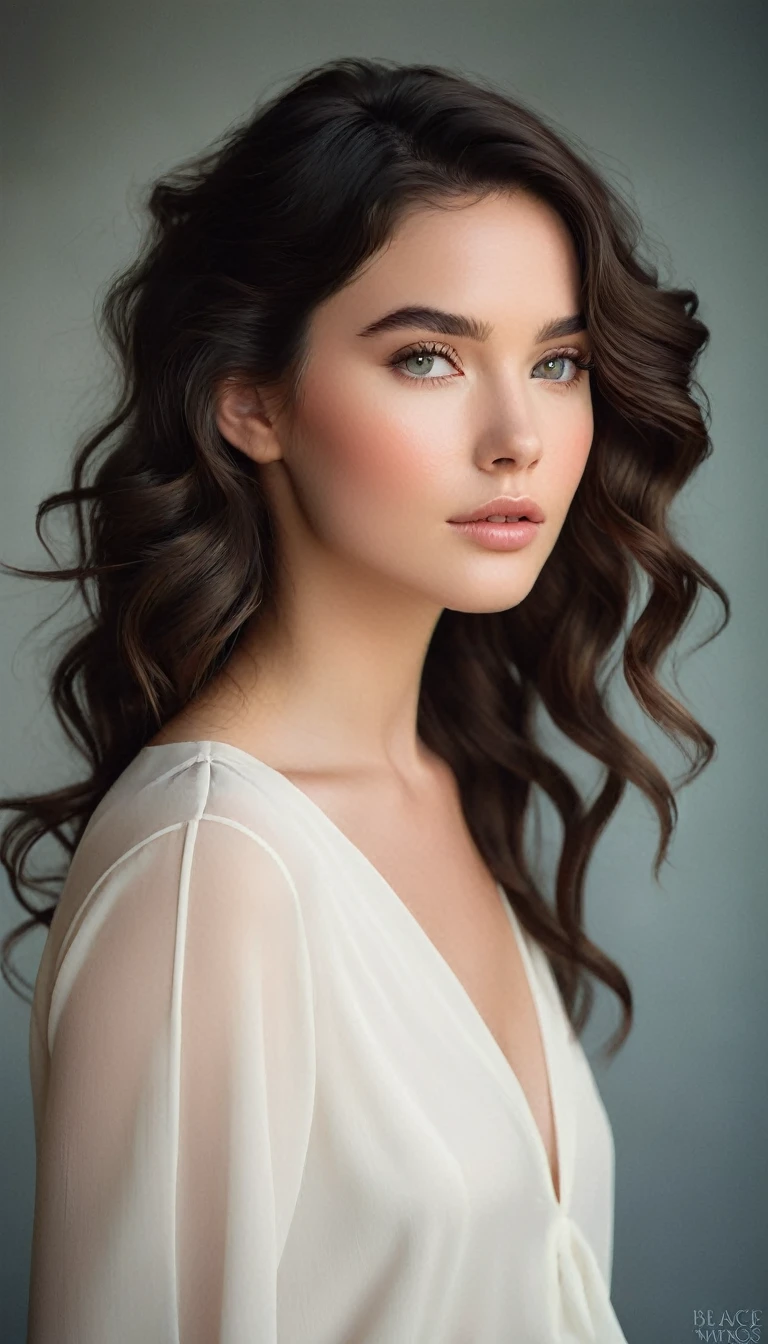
(388, 446)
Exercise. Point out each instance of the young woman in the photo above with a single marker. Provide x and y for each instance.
(304, 1043)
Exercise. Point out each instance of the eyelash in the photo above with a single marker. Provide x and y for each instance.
(432, 348)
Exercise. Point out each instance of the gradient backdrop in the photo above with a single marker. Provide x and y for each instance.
(670, 101)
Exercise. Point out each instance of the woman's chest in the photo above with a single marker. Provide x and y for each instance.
(434, 870)
(460, 910)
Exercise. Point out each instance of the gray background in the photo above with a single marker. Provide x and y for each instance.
(671, 102)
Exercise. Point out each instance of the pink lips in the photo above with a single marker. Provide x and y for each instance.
(499, 536)
(504, 504)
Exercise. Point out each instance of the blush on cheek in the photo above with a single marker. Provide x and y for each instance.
(364, 453)
(574, 451)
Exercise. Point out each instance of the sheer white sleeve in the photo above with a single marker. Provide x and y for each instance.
(179, 1098)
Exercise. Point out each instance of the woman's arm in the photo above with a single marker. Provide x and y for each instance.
(176, 1120)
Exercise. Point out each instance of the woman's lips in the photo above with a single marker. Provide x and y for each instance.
(499, 536)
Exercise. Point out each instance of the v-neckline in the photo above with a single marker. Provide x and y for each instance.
(483, 1037)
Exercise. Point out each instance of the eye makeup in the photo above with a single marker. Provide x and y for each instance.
(430, 349)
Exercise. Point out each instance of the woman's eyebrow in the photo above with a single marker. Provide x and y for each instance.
(456, 324)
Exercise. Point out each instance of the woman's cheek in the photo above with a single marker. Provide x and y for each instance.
(565, 447)
(373, 452)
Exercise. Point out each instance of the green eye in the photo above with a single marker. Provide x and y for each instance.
(425, 351)
(572, 357)
(430, 350)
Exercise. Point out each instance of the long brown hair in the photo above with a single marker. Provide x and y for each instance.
(175, 545)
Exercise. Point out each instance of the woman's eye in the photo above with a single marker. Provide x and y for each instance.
(561, 358)
(553, 359)
(416, 365)
(423, 363)
(556, 360)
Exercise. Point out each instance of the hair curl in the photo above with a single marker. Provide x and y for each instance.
(176, 549)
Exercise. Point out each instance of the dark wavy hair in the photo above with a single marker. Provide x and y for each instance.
(176, 548)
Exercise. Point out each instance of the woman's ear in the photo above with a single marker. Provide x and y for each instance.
(243, 421)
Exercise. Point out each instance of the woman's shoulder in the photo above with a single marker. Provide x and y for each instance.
(187, 838)
(172, 783)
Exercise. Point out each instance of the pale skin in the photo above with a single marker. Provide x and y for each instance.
(362, 481)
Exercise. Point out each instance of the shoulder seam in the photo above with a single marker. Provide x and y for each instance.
(191, 824)
(258, 839)
(87, 902)
(88, 899)
(55, 1007)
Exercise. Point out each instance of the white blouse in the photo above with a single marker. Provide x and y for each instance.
(268, 1112)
